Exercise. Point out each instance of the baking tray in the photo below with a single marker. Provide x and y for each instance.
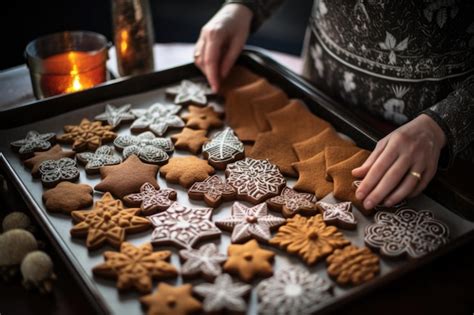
(52, 114)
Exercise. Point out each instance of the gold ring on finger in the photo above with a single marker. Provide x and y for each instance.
(416, 174)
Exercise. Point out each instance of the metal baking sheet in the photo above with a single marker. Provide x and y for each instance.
(103, 293)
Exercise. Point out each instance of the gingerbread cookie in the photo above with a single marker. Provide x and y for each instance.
(213, 190)
(87, 135)
(133, 170)
(55, 153)
(33, 142)
(135, 267)
(158, 118)
(203, 118)
(108, 222)
(338, 214)
(151, 200)
(255, 180)
(170, 300)
(266, 104)
(205, 261)
(183, 226)
(334, 155)
(294, 291)
(381, 207)
(312, 176)
(223, 295)
(146, 146)
(190, 92)
(114, 116)
(223, 148)
(309, 237)
(238, 76)
(247, 222)
(103, 156)
(190, 140)
(186, 170)
(353, 265)
(249, 261)
(54, 171)
(291, 202)
(67, 197)
(406, 232)
(277, 145)
(308, 148)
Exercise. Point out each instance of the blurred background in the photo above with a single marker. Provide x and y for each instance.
(174, 21)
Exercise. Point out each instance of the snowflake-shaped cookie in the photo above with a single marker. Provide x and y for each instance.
(183, 226)
(151, 199)
(34, 141)
(213, 190)
(146, 146)
(103, 156)
(291, 202)
(246, 222)
(339, 214)
(115, 115)
(190, 92)
(292, 290)
(255, 180)
(223, 149)
(158, 118)
(87, 135)
(55, 171)
(206, 261)
(223, 294)
(406, 231)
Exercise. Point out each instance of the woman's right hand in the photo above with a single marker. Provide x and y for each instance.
(221, 41)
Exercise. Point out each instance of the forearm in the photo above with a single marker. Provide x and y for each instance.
(262, 9)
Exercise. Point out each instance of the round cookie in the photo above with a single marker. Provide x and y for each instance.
(67, 197)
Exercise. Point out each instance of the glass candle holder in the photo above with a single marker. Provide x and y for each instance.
(66, 62)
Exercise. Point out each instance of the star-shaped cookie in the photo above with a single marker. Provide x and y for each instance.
(151, 200)
(249, 260)
(134, 267)
(157, 118)
(115, 115)
(190, 92)
(202, 118)
(186, 170)
(338, 214)
(87, 135)
(190, 140)
(171, 300)
(103, 156)
(55, 153)
(213, 190)
(206, 261)
(34, 141)
(183, 226)
(107, 222)
(291, 202)
(127, 177)
(247, 222)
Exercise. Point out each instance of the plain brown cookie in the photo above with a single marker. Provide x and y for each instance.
(88, 135)
(171, 300)
(266, 104)
(336, 154)
(190, 140)
(203, 118)
(127, 177)
(312, 176)
(277, 145)
(67, 197)
(55, 153)
(308, 148)
(186, 170)
(237, 77)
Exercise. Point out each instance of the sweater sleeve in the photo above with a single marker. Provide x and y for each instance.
(455, 115)
(262, 10)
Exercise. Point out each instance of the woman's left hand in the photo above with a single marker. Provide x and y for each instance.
(390, 172)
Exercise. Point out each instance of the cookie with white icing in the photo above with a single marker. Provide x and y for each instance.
(33, 142)
(338, 214)
(114, 116)
(54, 171)
(146, 146)
(103, 156)
(158, 118)
(213, 190)
(205, 261)
(190, 92)
(291, 202)
(223, 148)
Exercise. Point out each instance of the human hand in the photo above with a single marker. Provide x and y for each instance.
(388, 172)
(221, 41)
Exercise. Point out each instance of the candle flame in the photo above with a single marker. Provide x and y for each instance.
(76, 81)
(123, 41)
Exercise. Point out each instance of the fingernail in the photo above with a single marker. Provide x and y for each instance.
(368, 204)
(388, 203)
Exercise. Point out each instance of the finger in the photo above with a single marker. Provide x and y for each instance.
(388, 182)
(362, 170)
(231, 55)
(406, 187)
(377, 170)
(199, 54)
(426, 177)
(211, 59)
